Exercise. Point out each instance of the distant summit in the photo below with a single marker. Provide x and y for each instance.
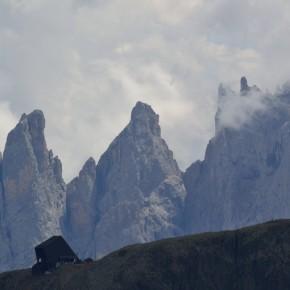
(243, 178)
(244, 85)
(144, 120)
(245, 88)
(135, 193)
(32, 193)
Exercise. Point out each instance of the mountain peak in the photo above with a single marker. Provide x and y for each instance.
(33, 187)
(90, 164)
(143, 118)
(245, 88)
(244, 85)
(29, 136)
(142, 110)
(35, 119)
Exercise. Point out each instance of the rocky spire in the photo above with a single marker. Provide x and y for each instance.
(36, 124)
(244, 86)
(33, 188)
(138, 191)
(29, 132)
(144, 120)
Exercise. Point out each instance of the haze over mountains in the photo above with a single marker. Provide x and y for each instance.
(136, 191)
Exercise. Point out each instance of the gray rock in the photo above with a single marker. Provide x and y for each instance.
(5, 253)
(244, 178)
(138, 193)
(245, 89)
(244, 85)
(33, 191)
(80, 217)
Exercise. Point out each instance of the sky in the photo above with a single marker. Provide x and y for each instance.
(85, 63)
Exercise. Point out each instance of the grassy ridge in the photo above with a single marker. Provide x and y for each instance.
(253, 258)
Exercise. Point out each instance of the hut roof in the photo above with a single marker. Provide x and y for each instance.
(50, 241)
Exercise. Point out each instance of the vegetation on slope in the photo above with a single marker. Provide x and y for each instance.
(253, 258)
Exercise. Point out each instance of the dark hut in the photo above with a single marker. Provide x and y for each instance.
(51, 253)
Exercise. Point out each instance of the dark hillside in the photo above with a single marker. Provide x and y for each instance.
(253, 258)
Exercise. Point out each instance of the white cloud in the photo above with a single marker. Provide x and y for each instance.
(174, 12)
(86, 62)
(8, 121)
(236, 110)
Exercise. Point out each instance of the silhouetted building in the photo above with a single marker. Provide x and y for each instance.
(51, 253)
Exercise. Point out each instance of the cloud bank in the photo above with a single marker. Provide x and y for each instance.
(85, 63)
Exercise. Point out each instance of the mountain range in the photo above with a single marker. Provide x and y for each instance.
(136, 192)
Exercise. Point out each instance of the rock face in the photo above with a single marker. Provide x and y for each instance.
(244, 178)
(255, 258)
(134, 194)
(32, 192)
(244, 86)
(138, 191)
(80, 218)
(5, 253)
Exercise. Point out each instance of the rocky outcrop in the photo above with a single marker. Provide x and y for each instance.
(244, 178)
(32, 192)
(138, 192)
(244, 86)
(80, 217)
(5, 253)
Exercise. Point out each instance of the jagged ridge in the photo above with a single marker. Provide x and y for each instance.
(136, 192)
